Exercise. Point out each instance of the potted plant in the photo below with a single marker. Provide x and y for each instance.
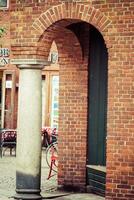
(2, 32)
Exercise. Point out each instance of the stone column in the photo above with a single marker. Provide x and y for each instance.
(28, 170)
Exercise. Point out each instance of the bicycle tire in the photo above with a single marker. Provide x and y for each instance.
(52, 149)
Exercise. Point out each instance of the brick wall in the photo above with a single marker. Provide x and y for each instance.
(73, 113)
(115, 20)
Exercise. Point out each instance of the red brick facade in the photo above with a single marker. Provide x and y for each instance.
(33, 27)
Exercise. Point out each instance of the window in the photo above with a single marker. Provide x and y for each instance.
(4, 4)
(54, 101)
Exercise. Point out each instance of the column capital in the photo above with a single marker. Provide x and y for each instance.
(30, 63)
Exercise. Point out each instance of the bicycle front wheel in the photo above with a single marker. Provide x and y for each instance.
(52, 156)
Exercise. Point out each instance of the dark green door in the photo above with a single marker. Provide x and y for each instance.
(98, 61)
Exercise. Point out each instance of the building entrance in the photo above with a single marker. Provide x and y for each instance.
(97, 114)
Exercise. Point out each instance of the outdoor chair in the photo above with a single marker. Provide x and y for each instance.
(7, 141)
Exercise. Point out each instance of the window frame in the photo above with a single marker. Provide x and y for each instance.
(4, 7)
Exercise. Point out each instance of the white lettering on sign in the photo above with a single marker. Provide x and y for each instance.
(4, 52)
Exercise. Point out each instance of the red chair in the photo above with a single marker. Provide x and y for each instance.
(7, 140)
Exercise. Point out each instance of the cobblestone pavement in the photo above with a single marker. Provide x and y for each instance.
(48, 187)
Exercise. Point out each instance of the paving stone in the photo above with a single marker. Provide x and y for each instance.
(48, 187)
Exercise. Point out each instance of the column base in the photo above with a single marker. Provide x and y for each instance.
(27, 194)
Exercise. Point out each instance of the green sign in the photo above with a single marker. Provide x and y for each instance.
(3, 3)
(4, 52)
(4, 56)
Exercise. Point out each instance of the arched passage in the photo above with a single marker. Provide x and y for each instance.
(72, 37)
(72, 98)
(80, 58)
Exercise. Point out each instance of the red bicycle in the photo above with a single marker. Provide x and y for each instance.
(52, 157)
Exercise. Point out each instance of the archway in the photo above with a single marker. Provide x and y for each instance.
(75, 88)
(77, 65)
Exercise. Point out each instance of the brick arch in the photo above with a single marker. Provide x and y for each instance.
(52, 34)
(43, 27)
(78, 11)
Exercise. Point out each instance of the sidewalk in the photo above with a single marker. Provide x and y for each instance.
(48, 187)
